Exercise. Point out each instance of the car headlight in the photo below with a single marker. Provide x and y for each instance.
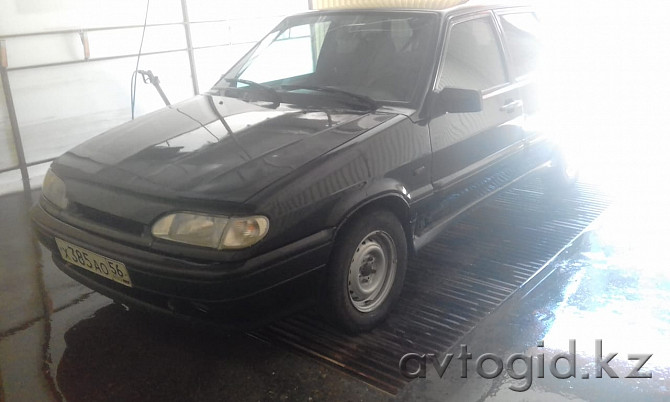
(53, 189)
(219, 232)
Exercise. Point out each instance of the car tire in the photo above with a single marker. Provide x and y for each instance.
(366, 271)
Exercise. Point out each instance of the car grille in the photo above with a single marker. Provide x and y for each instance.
(105, 219)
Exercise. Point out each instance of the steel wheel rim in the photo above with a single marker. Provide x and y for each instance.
(372, 271)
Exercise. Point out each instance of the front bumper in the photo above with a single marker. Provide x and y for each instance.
(236, 294)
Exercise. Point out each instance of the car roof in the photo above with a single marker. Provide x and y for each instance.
(441, 6)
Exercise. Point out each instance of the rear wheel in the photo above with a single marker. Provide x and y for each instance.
(366, 271)
(561, 176)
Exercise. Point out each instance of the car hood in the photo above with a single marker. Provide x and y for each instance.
(212, 147)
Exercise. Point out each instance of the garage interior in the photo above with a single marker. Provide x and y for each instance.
(522, 273)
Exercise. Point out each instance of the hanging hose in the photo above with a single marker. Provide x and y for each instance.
(133, 78)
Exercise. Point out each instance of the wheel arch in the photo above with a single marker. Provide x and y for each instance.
(393, 201)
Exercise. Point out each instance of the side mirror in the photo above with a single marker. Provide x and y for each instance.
(456, 100)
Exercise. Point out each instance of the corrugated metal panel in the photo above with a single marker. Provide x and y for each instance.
(454, 282)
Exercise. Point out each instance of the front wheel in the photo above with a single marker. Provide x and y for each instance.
(366, 271)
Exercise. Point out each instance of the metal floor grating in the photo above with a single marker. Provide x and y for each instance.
(455, 281)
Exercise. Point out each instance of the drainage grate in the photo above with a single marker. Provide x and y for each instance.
(456, 280)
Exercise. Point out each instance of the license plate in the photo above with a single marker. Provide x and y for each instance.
(96, 263)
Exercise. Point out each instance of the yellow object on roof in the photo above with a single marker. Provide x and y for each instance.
(345, 4)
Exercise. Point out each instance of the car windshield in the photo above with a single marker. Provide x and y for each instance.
(364, 57)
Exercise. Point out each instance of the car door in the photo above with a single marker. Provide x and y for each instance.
(522, 37)
(467, 146)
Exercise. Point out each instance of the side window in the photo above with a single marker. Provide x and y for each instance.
(473, 59)
(522, 33)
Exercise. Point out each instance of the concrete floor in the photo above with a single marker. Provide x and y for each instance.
(60, 341)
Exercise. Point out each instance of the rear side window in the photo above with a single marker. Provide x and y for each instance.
(473, 59)
(522, 35)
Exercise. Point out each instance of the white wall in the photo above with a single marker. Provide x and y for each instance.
(59, 106)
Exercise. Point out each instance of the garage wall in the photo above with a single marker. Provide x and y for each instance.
(68, 66)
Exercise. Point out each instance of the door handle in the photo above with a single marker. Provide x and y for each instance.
(511, 105)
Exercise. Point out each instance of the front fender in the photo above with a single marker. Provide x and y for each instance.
(373, 192)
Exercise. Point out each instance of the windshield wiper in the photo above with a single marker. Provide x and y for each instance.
(364, 99)
(267, 88)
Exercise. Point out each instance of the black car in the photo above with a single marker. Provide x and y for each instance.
(340, 144)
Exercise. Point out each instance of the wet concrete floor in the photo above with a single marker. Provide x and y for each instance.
(61, 341)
